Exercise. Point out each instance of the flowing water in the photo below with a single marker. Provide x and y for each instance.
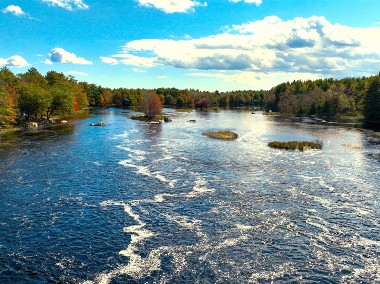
(136, 203)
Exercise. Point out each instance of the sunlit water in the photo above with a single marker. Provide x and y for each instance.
(137, 203)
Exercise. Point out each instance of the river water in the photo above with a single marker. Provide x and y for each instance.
(136, 203)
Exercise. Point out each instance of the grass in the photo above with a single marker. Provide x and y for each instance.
(221, 134)
(184, 110)
(271, 113)
(147, 119)
(293, 145)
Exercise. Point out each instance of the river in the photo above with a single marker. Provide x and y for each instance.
(136, 203)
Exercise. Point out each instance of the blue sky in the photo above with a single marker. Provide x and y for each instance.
(208, 45)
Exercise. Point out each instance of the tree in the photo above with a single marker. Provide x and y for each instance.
(63, 100)
(372, 101)
(33, 100)
(7, 110)
(152, 105)
(202, 104)
(8, 97)
(67, 94)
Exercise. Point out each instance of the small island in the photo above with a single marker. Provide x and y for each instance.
(221, 134)
(293, 145)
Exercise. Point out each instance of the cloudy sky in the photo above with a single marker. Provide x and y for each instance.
(202, 44)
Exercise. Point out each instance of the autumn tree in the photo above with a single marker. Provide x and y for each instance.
(8, 97)
(152, 105)
(202, 103)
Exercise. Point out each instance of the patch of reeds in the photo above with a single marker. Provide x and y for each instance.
(293, 145)
(221, 134)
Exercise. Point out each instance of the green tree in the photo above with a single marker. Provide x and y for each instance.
(372, 101)
(33, 100)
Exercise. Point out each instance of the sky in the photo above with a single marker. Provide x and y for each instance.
(222, 45)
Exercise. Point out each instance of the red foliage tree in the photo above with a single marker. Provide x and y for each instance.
(152, 105)
(202, 104)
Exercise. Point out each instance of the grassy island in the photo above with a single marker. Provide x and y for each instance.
(293, 145)
(221, 134)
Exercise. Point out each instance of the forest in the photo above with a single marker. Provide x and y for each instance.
(31, 96)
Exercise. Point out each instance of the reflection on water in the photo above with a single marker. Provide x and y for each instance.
(137, 203)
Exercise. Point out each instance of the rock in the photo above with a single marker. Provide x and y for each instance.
(167, 119)
(98, 124)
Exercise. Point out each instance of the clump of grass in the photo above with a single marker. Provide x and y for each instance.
(157, 118)
(293, 145)
(221, 134)
(184, 110)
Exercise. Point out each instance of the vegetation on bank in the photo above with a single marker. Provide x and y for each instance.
(30, 96)
(293, 145)
(221, 134)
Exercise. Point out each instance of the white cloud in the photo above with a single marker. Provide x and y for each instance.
(59, 55)
(15, 10)
(109, 60)
(256, 80)
(68, 4)
(79, 73)
(257, 2)
(137, 70)
(14, 61)
(303, 45)
(171, 6)
(130, 59)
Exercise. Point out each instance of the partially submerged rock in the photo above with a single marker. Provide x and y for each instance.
(167, 119)
(31, 125)
(98, 124)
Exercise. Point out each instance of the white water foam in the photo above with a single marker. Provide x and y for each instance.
(199, 188)
(144, 170)
(137, 266)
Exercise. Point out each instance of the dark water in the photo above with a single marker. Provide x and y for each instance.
(138, 203)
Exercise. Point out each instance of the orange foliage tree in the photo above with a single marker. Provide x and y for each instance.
(152, 105)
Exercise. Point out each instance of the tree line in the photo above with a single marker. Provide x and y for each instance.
(328, 98)
(33, 96)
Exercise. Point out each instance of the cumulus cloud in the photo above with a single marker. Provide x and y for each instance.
(15, 10)
(257, 2)
(59, 55)
(170, 6)
(109, 60)
(14, 61)
(305, 45)
(68, 4)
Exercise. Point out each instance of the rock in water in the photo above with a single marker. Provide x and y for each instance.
(98, 124)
